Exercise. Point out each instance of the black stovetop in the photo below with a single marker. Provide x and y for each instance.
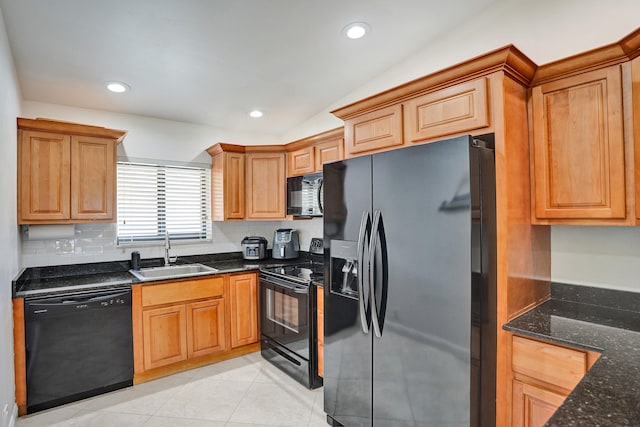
(306, 272)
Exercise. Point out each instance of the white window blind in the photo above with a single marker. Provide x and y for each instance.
(157, 199)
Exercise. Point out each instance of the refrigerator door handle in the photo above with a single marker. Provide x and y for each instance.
(375, 233)
(361, 272)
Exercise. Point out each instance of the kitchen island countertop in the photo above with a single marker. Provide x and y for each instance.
(600, 320)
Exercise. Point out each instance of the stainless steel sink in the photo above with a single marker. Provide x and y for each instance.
(172, 272)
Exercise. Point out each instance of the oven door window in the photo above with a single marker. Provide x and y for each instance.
(282, 309)
(284, 316)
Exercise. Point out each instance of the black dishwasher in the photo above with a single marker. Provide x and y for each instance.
(78, 345)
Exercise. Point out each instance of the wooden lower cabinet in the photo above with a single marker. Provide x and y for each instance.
(165, 336)
(243, 295)
(320, 311)
(543, 376)
(533, 405)
(206, 332)
(180, 325)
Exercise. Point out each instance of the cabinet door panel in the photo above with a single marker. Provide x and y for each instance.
(266, 180)
(455, 109)
(165, 340)
(329, 151)
(228, 189)
(93, 178)
(300, 161)
(532, 405)
(578, 147)
(374, 131)
(205, 328)
(45, 190)
(243, 295)
(234, 191)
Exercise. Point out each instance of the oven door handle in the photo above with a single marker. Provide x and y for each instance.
(281, 284)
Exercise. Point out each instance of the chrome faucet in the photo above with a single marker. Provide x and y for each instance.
(167, 246)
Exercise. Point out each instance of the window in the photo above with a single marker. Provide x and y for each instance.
(154, 200)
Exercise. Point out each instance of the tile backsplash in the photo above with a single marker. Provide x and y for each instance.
(97, 242)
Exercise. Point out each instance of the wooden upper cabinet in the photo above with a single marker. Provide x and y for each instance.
(578, 169)
(93, 178)
(635, 78)
(44, 193)
(455, 109)
(300, 161)
(243, 296)
(228, 185)
(328, 151)
(266, 180)
(307, 155)
(374, 131)
(66, 172)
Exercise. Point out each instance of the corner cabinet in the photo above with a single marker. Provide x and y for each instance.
(543, 376)
(66, 172)
(578, 148)
(228, 182)
(308, 155)
(266, 180)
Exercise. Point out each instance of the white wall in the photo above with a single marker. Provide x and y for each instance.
(10, 99)
(605, 257)
(545, 30)
(148, 137)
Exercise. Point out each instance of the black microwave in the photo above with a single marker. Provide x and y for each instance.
(304, 195)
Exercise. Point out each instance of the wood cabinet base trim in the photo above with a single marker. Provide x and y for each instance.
(19, 355)
(186, 365)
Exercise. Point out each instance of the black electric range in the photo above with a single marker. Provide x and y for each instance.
(288, 321)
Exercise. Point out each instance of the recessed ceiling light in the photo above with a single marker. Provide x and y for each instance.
(356, 30)
(255, 114)
(118, 87)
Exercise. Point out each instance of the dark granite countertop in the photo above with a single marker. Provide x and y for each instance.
(603, 320)
(46, 281)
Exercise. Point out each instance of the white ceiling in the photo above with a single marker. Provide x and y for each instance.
(211, 61)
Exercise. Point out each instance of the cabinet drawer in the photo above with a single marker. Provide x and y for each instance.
(170, 293)
(555, 365)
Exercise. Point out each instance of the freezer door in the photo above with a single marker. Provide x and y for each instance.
(421, 277)
(347, 345)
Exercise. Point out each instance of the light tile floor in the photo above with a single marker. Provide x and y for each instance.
(242, 392)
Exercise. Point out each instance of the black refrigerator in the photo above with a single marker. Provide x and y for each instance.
(410, 286)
